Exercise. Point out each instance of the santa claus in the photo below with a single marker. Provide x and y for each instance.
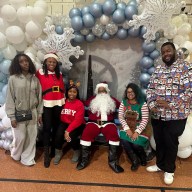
(101, 120)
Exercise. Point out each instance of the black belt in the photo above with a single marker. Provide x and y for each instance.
(99, 122)
(53, 89)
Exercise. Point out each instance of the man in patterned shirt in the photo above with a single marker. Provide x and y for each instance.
(169, 98)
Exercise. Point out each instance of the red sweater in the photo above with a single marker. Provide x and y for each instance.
(73, 114)
(51, 98)
(94, 117)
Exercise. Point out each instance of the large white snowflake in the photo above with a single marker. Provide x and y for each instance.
(59, 44)
(156, 15)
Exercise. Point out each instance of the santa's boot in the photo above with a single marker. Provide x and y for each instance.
(113, 159)
(84, 157)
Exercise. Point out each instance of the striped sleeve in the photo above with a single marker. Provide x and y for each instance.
(144, 119)
(121, 117)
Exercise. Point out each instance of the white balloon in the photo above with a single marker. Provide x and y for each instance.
(177, 21)
(184, 29)
(24, 14)
(3, 2)
(3, 25)
(3, 135)
(6, 122)
(184, 17)
(33, 29)
(178, 39)
(2, 127)
(8, 13)
(3, 40)
(187, 45)
(38, 14)
(41, 4)
(6, 144)
(28, 38)
(9, 52)
(184, 152)
(2, 112)
(9, 134)
(21, 46)
(18, 3)
(31, 50)
(40, 55)
(14, 34)
(1, 143)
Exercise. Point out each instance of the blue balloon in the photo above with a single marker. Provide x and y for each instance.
(146, 62)
(133, 32)
(74, 12)
(88, 20)
(1, 85)
(105, 36)
(1, 56)
(2, 99)
(122, 34)
(90, 37)
(155, 54)
(148, 47)
(79, 38)
(77, 23)
(143, 70)
(85, 10)
(144, 92)
(144, 78)
(151, 70)
(121, 5)
(118, 16)
(130, 10)
(2, 76)
(5, 81)
(59, 29)
(157, 36)
(4, 91)
(4, 66)
(109, 7)
(133, 3)
(96, 10)
(143, 31)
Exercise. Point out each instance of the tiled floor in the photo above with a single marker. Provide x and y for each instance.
(15, 177)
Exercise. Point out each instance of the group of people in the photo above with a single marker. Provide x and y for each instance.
(61, 112)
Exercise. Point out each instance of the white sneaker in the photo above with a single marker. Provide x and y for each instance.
(168, 178)
(153, 168)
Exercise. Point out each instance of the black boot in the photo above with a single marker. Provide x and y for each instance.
(84, 157)
(142, 156)
(113, 159)
(46, 157)
(134, 160)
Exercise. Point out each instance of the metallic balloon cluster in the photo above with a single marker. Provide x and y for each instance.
(103, 21)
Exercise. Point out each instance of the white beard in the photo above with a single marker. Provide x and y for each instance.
(102, 104)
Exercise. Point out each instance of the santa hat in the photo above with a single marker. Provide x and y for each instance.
(46, 56)
(102, 84)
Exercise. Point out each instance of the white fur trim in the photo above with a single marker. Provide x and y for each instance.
(102, 85)
(85, 143)
(51, 55)
(114, 143)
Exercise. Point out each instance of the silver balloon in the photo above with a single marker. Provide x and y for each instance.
(6, 144)
(182, 53)
(85, 31)
(111, 28)
(98, 29)
(160, 42)
(9, 134)
(126, 25)
(1, 143)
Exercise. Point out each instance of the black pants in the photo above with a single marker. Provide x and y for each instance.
(75, 136)
(130, 147)
(51, 122)
(166, 135)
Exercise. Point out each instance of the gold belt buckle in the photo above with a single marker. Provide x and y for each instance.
(55, 89)
(99, 122)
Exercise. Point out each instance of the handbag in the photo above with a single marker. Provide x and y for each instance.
(24, 115)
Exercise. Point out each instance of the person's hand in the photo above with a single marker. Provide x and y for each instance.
(163, 103)
(40, 121)
(67, 137)
(135, 136)
(129, 133)
(14, 123)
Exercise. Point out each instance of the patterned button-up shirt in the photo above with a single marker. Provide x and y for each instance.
(174, 85)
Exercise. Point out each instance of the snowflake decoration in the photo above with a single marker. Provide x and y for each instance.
(59, 44)
(156, 15)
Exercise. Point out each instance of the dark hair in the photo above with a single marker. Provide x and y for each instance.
(138, 94)
(57, 69)
(70, 87)
(15, 68)
(168, 43)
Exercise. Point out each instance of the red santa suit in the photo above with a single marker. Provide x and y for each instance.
(102, 123)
